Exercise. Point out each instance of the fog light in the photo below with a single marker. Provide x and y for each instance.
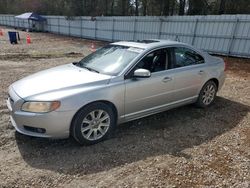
(40, 130)
(34, 129)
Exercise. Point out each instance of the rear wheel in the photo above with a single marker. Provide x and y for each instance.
(93, 123)
(207, 94)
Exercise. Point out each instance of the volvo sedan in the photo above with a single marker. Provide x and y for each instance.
(120, 82)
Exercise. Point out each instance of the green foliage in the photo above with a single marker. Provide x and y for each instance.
(71, 8)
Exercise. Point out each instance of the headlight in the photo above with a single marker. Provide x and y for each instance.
(40, 107)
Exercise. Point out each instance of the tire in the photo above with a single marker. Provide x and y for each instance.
(207, 94)
(93, 123)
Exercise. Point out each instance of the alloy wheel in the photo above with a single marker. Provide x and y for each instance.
(95, 125)
(208, 94)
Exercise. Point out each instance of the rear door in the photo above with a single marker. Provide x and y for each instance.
(189, 73)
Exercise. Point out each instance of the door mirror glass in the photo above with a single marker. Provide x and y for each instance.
(142, 73)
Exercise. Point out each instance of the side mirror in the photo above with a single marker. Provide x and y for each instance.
(142, 73)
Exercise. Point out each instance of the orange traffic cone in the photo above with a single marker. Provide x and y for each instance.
(28, 39)
(1, 32)
(92, 49)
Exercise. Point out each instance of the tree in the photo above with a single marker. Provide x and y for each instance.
(173, 8)
(182, 5)
(197, 7)
(222, 7)
(166, 7)
(136, 7)
(125, 7)
(144, 7)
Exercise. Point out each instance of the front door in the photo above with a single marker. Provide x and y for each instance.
(144, 96)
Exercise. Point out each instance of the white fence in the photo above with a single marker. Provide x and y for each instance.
(224, 34)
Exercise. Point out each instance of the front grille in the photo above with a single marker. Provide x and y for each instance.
(34, 129)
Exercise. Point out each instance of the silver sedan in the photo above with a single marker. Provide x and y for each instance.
(120, 82)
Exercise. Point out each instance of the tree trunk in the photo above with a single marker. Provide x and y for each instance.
(222, 7)
(166, 7)
(173, 7)
(124, 8)
(136, 8)
(182, 7)
(144, 6)
(112, 8)
(106, 8)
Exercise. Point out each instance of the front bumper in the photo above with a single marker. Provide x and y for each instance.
(56, 124)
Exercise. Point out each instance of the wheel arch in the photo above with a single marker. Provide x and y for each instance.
(110, 104)
(215, 80)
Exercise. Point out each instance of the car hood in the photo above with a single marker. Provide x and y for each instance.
(61, 77)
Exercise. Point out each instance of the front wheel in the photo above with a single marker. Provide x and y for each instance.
(207, 94)
(93, 123)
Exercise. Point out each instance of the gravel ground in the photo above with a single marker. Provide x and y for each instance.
(184, 147)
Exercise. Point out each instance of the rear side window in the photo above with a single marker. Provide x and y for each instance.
(186, 57)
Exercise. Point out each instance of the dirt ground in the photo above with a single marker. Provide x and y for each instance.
(184, 147)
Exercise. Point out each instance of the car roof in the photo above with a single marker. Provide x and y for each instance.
(148, 44)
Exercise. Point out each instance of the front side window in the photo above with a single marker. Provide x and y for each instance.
(186, 57)
(155, 61)
(111, 59)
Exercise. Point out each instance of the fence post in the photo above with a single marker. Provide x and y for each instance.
(232, 36)
(160, 27)
(95, 28)
(113, 30)
(49, 24)
(135, 21)
(69, 20)
(195, 28)
(81, 27)
(58, 24)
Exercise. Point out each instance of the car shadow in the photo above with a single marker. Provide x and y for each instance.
(169, 133)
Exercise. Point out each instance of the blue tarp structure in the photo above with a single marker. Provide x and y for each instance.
(31, 21)
(31, 16)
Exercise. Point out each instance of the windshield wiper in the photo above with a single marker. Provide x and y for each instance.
(88, 68)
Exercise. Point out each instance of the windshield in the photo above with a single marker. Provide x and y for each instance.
(111, 59)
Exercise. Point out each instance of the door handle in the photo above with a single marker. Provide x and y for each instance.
(166, 79)
(201, 72)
